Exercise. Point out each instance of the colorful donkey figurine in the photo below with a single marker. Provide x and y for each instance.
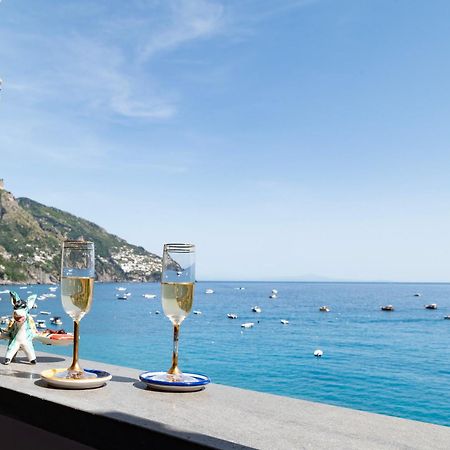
(21, 329)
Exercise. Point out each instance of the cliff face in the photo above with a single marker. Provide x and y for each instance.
(30, 245)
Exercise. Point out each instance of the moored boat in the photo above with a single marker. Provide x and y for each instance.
(247, 325)
(256, 309)
(387, 308)
(232, 316)
(324, 309)
(431, 306)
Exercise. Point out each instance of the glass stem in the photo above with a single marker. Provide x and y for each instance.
(75, 367)
(174, 370)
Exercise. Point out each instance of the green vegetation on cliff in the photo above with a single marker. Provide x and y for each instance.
(30, 245)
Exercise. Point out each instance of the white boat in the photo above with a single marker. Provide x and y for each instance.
(431, 306)
(128, 294)
(197, 312)
(23, 287)
(50, 295)
(4, 292)
(4, 320)
(274, 291)
(273, 296)
(41, 324)
(209, 291)
(121, 288)
(232, 316)
(324, 309)
(157, 312)
(41, 297)
(256, 309)
(149, 295)
(45, 312)
(387, 308)
(122, 297)
(56, 320)
(53, 288)
(417, 294)
(29, 292)
(247, 325)
(318, 353)
(284, 321)
(447, 317)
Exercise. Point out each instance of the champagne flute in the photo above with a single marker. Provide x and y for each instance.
(77, 287)
(177, 286)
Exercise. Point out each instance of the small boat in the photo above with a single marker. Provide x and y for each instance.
(240, 288)
(50, 337)
(232, 316)
(41, 297)
(273, 296)
(387, 308)
(4, 320)
(23, 287)
(149, 295)
(256, 309)
(45, 312)
(209, 291)
(197, 312)
(247, 325)
(447, 317)
(274, 291)
(53, 288)
(157, 312)
(318, 353)
(29, 292)
(324, 309)
(41, 324)
(121, 288)
(431, 306)
(284, 321)
(122, 297)
(417, 294)
(50, 295)
(56, 320)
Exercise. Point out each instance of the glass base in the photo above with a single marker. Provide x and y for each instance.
(175, 378)
(75, 375)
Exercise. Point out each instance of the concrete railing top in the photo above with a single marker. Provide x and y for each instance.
(220, 416)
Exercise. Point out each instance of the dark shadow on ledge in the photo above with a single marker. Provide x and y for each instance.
(144, 387)
(11, 372)
(121, 379)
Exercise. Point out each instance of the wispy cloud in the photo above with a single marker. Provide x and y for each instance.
(189, 20)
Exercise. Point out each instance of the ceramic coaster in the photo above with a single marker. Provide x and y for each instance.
(98, 379)
(154, 380)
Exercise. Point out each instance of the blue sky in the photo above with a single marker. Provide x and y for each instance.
(284, 138)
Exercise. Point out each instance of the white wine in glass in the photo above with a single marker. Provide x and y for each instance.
(177, 294)
(77, 288)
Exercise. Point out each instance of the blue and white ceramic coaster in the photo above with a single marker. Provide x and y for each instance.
(158, 382)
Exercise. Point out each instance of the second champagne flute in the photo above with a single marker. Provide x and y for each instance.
(177, 293)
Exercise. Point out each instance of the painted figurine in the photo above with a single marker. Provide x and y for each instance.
(21, 329)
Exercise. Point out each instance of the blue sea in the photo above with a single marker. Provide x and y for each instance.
(395, 363)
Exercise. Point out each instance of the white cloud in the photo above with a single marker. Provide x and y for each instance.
(189, 20)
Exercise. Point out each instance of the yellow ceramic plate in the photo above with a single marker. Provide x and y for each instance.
(100, 378)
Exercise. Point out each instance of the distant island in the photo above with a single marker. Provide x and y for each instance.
(30, 245)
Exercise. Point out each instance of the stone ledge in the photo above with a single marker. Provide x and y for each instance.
(124, 414)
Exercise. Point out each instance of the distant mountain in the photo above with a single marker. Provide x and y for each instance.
(30, 245)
